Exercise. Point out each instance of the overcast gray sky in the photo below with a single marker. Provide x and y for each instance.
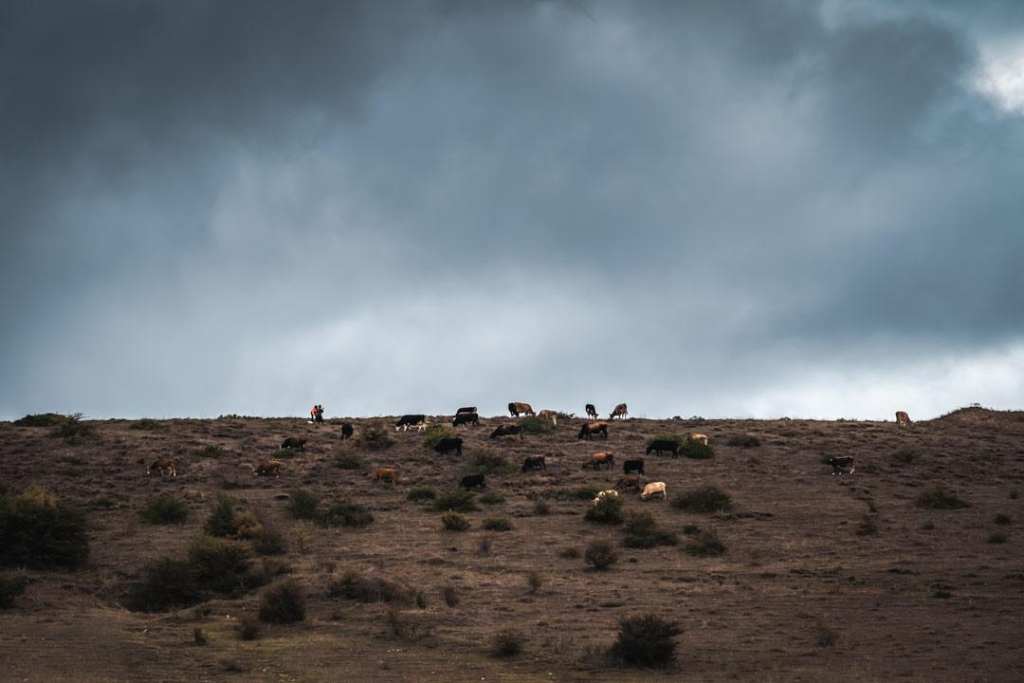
(729, 209)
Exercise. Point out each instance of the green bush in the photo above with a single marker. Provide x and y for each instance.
(459, 500)
(42, 420)
(535, 425)
(74, 431)
(376, 436)
(1002, 520)
(221, 521)
(303, 505)
(997, 537)
(419, 494)
(355, 586)
(349, 461)
(165, 509)
(643, 532)
(600, 555)
(705, 499)
(269, 540)
(507, 643)
(223, 566)
(705, 544)
(497, 524)
(148, 425)
(10, 588)
(696, 450)
(39, 532)
(938, 497)
(492, 498)
(867, 526)
(212, 451)
(166, 584)
(905, 456)
(747, 440)
(646, 641)
(435, 433)
(608, 510)
(455, 521)
(348, 514)
(541, 508)
(587, 491)
(486, 462)
(248, 629)
(283, 603)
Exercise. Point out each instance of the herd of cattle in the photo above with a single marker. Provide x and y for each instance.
(633, 469)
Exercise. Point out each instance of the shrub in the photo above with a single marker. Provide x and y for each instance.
(148, 425)
(199, 636)
(349, 461)
(642, 532)
(451, 596)
(1002, 520)
(705, 499)
(212, 451)
(248, 629)
(534, 580)
(570, 553)
(608, 510)
(483, 546)
(646, 641)
(223, 566)
(269, 540)
(39, 532)
(535, 425)
(435, 433)
(867, 526)
(421, 493)
(10, 588)
(354, 586)
(997, 537)
(905, 456)
(696, 450)
(600, 555)
(454, 521)
(346, 514)
(744, 441)
(376, 436)
(284, 453)
(497, 524)
(938, 497)
(826, 637)
(248, 525)
(586, 492)
(541, 508)
(165, 509)
(221, 521)
(486, 462)
(42, 420)
(705, 544)
(459, 500)
(492, 498)
(303, 505)
(283, 603)
(165, 584)
(74, 431)
(507, 644)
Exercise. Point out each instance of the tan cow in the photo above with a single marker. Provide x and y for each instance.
(654, 489)
(549, 415)
(387, 474)
(516, 409)
(164, 466)
(597, 459)
(591, 428)
(267, 467)
(621, 411)
(902, 419)
(703, 438)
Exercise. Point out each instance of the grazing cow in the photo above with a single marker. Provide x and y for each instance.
(534, 463)
(628, 483)
(902, 419)
(659, 446)
(467, 409)
(449, 444)
(633, 466)
(591, 411)
(507, 429)
(473, 481)
(654, 489)
(620, 412)
(591, 428)
(840, 464)
(703, 438)
(609, 493)
(164, 466)
(267, 467)
(597, 459)
(406, 421)
(295, 443)
(516, 409)
(347, 430)
(317, 414)
(549, 415)
(386, 474)
(472, 419)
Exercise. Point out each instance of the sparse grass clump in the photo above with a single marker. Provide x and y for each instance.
(600, 555)
(221, 521)
(534, 580)
(696, 450)
(39, 532)
(459, 500)
(11, 586)
(705, 544)
(353, 585)
(284, 603)
(541, 508)
(435, 433)
(347, 514)
(826, 637)
(867, 526)
(608, 510)
(421, 494)
(303, 505)
(1002, 520)
(535, 425)
(451, 596)
(212, 451)
(703, 499)
(997, 538)
(570, 553)
(486, 462)
(376, 436)
(455, 521)
(492, 498)
(938, 497)
(507, 643)
(645, 641)
(642, 532)
(497, 524)
(744, 441)
(165, 509)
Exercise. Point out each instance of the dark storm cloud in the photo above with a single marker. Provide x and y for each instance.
(238, 207)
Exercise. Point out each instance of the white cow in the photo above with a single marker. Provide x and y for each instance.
(601, 495)
(653, 489)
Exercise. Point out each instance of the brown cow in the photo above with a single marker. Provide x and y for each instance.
(902, 419)
(266, 468)
(591, 428)
(549, 415)
(516, 409)
(387, 474)
(294, 442)
(507, 429)
(597, 459)
(621, 411)
(164, 466)
(628, 483)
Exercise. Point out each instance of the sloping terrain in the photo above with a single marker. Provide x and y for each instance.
(825, 578)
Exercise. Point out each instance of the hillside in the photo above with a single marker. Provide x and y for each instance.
(824, 578)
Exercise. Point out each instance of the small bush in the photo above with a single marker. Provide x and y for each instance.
(534, 580)
(696, 450)
(451, 596)
(221, 521)
(212, 451)
(642, 532)
(704, 499)
(646, 641)
(744, 441)
(507, 644)
(535, 425)
(419, 494)
(346, 514)
(148, 425)
(483, 546)
(165, 509)
(541, 508)
(705, 544)
(247, 525)
(355, 586)
(454, 521)
(459, 500)
(349, 461)
(586, 492)
(497, 524)
(570, 553)
(10, 588)
(248, 629)
(997, 538)
(74, 431)
(39, 532)
(826, 637)
(199, 636)
(42, 420)
(938, 497)
(485, 462)
(435, 433)
(601, 555)
(905, 456)
(492, 498)
(303, 505)
(608, 510)
(284, 603)
(376, 436)
(1002, 520)
(165, 584)
(223, 566)
(269, 540)
(867, 526)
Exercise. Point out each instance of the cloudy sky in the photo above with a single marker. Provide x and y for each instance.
(728, 209)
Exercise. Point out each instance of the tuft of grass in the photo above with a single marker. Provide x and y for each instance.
(165, 509)
(199, 636)
(1002, 520)
(645, 641)
(507, 644)
(283, 603)
(248, 629)
(541, 508)
(347, 514)
(435, 433)
(938, 497)
(705, 544)
(867, 526)
(491, 464)
(705, 499)
(492, 498)
(451, 596)
(997, 538)
(376, 436)
(212, 451)
(420, 494)
(11, 586)
(303, 505)
(221, 521)
(826, 637)
(39, 532)
(570, 553)
(455, 521)
(534, 581)
(608, 510)
(458, 500)
(905, 456)
(601, 555)
(353, 585)
(497, 524)
(642, 532)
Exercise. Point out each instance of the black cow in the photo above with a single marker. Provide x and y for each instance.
(447, 445)
(507, 429)
(659, 446)
(534, 463)
(591, 411)
(633, 467)
(467, 409)
(472, 419)
(839, 464)
(347, 430)
(407, 421)
(294, 442)
(591, 428)
(473, 481)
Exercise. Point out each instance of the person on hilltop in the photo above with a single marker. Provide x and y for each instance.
(317, 414)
